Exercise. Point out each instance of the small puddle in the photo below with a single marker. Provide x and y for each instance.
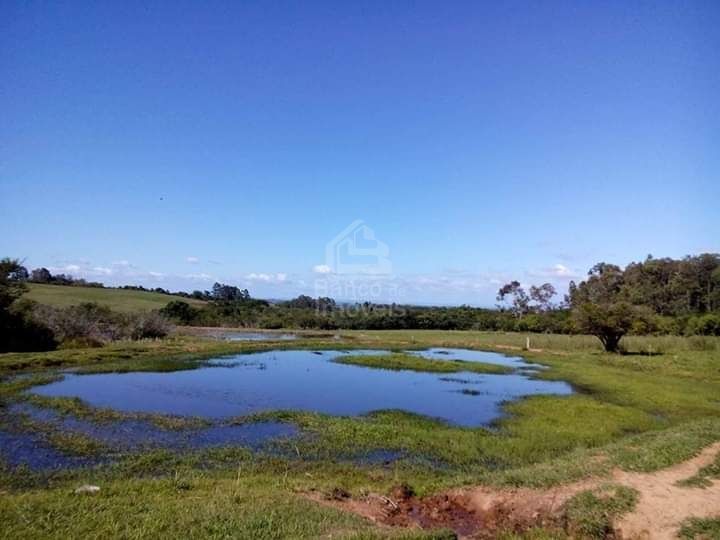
(125, 436)
(134, 434)
(251, 336)
(18, 449)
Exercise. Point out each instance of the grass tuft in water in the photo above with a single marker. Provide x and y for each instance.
(403, 361)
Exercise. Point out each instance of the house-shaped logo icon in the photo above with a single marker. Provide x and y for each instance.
(356, 250)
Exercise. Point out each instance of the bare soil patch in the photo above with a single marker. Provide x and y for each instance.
(481, 512)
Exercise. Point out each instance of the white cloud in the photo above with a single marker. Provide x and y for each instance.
(68, 268)
(322, 269)
(202, 276)
(258, 277)
(124, 263)
(103, 270)
(561, 270)
(192, 260)
(156, 274)
(280, 277)
(558, 270)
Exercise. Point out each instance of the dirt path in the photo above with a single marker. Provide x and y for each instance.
(663, 506)
(479, 512)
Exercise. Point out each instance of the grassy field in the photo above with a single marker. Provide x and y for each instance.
(117, 299)
(651, 408)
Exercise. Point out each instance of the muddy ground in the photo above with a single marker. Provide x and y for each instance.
(481, 512)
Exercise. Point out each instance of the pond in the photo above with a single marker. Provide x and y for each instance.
(310, 381)
(240, 335)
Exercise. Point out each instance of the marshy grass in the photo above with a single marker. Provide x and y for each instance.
(640, 412)
(75, 407)
(397, 361)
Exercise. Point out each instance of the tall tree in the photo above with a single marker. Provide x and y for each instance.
(598, 307)
(542, 296)
(519, 300)
(41, 275)
(11, 288)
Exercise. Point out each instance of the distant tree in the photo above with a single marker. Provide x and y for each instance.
(302, 302)
(520, 302)
(19, 274)
(200, 295)
(41, 275)
(10, 287)
(542, 296)
(325, 304)
(179, 311)
(62, 279)
(229, 293)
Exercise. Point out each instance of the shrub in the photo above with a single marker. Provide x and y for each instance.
(88, 321)
(90, 324)
(180, 312)
(704, 325)
(19, 332)
(150, 325)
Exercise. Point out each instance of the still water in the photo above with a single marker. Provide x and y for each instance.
(309, 380)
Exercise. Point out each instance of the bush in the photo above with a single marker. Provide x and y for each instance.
(90, 324)
(704, 325)
(19, 332)
(147, 326)
(180, 312)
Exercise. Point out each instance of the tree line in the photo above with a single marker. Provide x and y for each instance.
(654, 296)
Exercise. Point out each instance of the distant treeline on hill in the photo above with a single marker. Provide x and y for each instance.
(655, 296)
(43, 275)
(662, 296)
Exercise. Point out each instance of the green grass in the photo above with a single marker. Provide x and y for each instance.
(636, 412)
(75, 407)
(516, 341)
(701, 529)
(591, 513)
(117, 299)
(411, 362)
(202, 506)
(704, 477)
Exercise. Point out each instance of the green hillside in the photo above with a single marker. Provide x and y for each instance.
(117, 299)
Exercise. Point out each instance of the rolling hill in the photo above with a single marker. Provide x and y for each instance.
(118, 299)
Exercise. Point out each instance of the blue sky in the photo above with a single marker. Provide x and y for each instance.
(177, 143)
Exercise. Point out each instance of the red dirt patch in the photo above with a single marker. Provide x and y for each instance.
(481, 512)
